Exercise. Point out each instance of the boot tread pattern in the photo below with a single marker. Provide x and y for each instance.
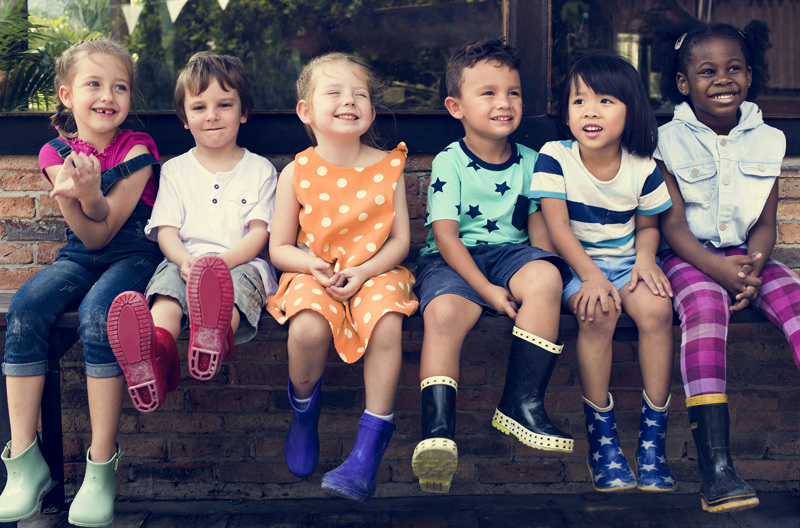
(434, 462)
(507, 425)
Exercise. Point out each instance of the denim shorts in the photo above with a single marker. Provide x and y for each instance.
(248, 295)
(616, 270)
(497, 263)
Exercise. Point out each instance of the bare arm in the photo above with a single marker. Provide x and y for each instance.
(537, 231)
(249, 247)
(645, 268)
(121, 200)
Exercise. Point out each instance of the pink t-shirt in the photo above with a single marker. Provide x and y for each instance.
(112, 155)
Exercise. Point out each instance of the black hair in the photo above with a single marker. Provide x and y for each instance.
(687, 33)
(468, 56)
(612, 75)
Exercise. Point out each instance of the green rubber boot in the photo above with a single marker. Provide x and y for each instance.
(94, 503)
(28, 481)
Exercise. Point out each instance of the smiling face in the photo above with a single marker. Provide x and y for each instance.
(716, 79)
(213, 116)
(490, 103)
(340, 105)
(597, 121)
(99, 96)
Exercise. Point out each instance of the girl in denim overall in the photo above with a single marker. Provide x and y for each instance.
(721, 163)
(104, 181)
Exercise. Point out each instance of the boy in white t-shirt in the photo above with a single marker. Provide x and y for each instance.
(211, 220)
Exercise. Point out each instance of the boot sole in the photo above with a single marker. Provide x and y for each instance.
(506, 425)
(209, 295)
(131, 335)
(42, 494)
(607, 490)
(434, 462)
(729, 504)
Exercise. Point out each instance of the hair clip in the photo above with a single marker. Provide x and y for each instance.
(679, 42)
(58, 112)
(743, 35)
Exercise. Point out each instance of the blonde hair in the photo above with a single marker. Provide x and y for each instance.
(307, 82)
(198, 73)
(66, 71)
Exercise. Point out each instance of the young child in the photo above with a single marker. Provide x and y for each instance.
(721, 163)
(486, 253)
(341, 230)
(104, 180)
(601, 194)
(211, 219)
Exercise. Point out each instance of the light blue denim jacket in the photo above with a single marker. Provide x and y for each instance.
(724, 180)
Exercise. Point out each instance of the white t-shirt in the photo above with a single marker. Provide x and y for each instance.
(212, 211)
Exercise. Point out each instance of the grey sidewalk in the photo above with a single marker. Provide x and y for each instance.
(592, 510)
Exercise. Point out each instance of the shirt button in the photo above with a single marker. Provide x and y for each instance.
(216, 186)
(214, 200)
(723, 142)
(244, 201)
(762, 168)
(726, 180)
(695, 172)
(723, 226)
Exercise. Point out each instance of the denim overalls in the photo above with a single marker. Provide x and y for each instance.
(84, 278)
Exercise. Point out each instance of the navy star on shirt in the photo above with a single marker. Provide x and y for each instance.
(517, 159)
(438, 185)
(501, 188)
(491, 226)
(474, 165)
(458, 209)
(474, 211)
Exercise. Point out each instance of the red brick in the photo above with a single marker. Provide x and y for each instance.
(48, 206)
(514, 472)
(24, 181)
(412, 185)
(12, 279)
(252, 471)
(19, 163)
(419, 162)
(209, 447)
(788, 233)
(174, 471)
(17, 207)
(775, 421)
(46, 253)
(416, 207)
(167, 422)
(16, 254)
(228, 400)
(789, 187)
(788, 210)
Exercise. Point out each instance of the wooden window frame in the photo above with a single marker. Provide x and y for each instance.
(527, 26)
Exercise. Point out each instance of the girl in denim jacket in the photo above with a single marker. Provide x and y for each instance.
(721, 163)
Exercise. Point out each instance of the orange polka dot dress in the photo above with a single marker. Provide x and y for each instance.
(345, 217)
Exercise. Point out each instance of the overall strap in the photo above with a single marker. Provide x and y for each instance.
(125, 169)
(62, 148)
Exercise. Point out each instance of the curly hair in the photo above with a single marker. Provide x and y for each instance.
(677, 40)
(66, 69)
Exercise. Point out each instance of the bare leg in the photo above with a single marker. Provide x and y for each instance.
(24, 403)
(448, 318)
(653, 317)
(105, 409)
(594, 353)
(309, 341)
(167, 314)
(537, 286)
(382, 362)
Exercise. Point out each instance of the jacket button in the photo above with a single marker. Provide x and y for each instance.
(762, 168)
(723, 142)
(695, 172)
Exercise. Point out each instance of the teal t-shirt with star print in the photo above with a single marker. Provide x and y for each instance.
(489, 201)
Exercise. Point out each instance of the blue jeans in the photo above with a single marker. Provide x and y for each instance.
(79, 277)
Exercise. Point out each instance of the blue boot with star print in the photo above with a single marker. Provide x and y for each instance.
(653, 474)
(607, 465)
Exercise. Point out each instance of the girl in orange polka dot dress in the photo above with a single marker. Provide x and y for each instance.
(339, 233)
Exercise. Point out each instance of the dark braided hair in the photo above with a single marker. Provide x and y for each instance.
(753, 40)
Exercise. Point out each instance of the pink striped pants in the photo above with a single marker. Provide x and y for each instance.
(702, 306)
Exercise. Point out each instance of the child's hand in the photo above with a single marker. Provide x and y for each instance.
(323, 272)
(744, 299)
(731, 273)
(186, 267)
(501, 300)
(646, 270)
(79, 177)
(593, 290)
(348, 283)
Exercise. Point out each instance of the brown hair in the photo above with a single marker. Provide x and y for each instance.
(66, 69)
(307, 82)
(495, 50)
(205, 66)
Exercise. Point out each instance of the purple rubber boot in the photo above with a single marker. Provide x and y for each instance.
(302, 441)
(356, 478)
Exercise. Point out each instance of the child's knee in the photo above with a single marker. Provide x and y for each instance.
(309, 329)
(447, 314)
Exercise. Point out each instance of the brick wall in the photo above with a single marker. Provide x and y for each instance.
(224, 439)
